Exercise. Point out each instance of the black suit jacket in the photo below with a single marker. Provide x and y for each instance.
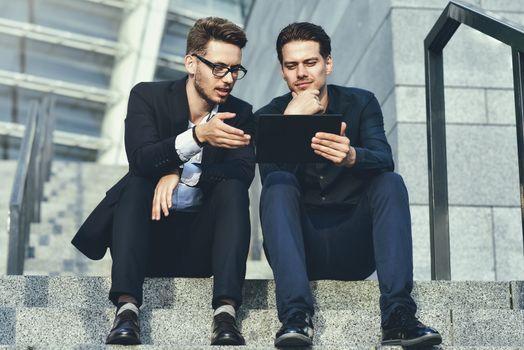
(157, 112)
(325, 184)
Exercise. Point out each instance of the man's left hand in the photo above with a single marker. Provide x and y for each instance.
(162, 200)
(336, 148)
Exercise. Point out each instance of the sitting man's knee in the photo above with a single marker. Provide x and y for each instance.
(389, 179)
(140, 185)
(231, 186)
(389, 184)
(231, 191)
(280, 178)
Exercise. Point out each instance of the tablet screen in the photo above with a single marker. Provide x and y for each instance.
(287, 138)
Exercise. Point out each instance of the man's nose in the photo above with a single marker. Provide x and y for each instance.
(301, 71)
(228, 78)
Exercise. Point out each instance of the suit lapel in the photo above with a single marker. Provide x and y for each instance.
(178, 107)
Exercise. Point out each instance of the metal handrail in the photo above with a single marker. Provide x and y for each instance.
(512, 34)
(33, 169)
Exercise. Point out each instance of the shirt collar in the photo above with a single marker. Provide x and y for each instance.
(212, 113)
(207, 117)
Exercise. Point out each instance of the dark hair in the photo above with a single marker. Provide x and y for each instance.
(304, 31)
(213, 28)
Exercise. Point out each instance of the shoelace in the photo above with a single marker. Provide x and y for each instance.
(225, 320)
(403, 317)
(127, 316)
(298, 319)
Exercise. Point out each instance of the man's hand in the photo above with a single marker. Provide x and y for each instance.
(219, 134)
(306, 102)
(163, 198)
(336, 148)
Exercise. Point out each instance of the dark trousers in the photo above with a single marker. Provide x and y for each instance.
(306, 243)
(213, 241)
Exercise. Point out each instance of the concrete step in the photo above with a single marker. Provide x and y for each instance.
(195, 293)
(77, 265)
(190, 347)
(70, 311)
(209, 347)
(48, 263)
(72, 192)
(74, 189)
(344, 328)
(172, 327)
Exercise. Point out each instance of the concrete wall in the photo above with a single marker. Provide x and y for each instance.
(379, 46)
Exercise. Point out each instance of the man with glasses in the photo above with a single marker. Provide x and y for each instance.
(341, 219)
(183, 208)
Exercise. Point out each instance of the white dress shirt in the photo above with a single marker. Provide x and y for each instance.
(187, 197)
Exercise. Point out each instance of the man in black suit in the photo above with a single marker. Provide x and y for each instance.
(341, 219)
(183, 208)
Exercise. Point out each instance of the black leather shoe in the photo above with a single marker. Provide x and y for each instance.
(403, 328)
(225, 331)
(125, 329)
(296, 331)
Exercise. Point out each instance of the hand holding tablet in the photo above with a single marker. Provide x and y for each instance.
(287, 138)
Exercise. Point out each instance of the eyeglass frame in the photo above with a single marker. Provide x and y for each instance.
(233, 69)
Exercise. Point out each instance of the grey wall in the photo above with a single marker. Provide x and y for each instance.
(378, 45)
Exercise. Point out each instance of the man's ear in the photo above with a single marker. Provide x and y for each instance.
(190, 64)
(329, 65)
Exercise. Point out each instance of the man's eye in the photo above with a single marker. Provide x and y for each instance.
(291, 66)
(221, 69)
(311, 63)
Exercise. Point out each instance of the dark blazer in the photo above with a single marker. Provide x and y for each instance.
(157, 112)
(325, 184)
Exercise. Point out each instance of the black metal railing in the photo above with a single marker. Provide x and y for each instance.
(32, 171)
(503, 30)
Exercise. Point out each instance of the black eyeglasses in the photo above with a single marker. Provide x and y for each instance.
(221, 70)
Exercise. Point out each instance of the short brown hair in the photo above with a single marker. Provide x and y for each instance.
(213, 28)
(304, 31)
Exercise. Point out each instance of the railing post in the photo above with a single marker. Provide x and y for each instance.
(437, 166)
(13, 256)
(493, 26)
(50, 127)
(21, 208)
(518, 83)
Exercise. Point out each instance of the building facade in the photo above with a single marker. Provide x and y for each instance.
(89, 54)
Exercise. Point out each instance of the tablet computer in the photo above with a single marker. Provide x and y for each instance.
(287, 138)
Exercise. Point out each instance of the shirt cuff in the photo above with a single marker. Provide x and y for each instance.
(186, 146)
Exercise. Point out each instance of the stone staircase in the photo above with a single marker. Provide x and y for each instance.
(73, 312)
(73, 191)
(7, 173)
(62, 303)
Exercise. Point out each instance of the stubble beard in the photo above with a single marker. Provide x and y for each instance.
(200, 90)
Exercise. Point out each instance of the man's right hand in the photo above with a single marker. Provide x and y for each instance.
(219, 134)
(305, 102)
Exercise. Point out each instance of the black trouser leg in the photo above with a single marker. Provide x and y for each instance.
(228, 211)
(214, 241)
(131, 239)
